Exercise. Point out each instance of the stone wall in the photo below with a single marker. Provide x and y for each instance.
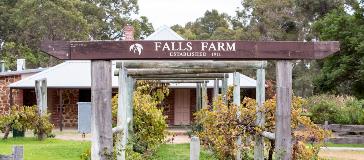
(5, 93)
(69, 109)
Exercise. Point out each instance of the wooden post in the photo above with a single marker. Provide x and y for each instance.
(122, 114)
(131, 83)
(204, 97)
(101, 123)
(283, 136)
(260, 98)
(41, 95)
(44, 93)
(216, 90)
(224, 89)
(236, 101)
(326, 127)
(195, 148)
(198, 96)
(61, 110)
(18, 153)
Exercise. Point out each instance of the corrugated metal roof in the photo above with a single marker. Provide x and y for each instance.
(27, 71)
(164, 33)
(69, 74)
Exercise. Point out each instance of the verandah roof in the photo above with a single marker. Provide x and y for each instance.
(77, 74)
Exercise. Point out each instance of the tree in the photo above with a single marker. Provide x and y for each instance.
(287, 20)
(24, 23)
(211, 24)
(343, 73)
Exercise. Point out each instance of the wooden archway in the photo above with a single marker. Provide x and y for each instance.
(102, 52)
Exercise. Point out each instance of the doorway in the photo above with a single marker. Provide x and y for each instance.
(182, 107)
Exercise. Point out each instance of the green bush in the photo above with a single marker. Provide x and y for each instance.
(149, 123)
(23, 118)
(336, 109)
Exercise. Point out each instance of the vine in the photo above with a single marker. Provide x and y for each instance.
(220, 127)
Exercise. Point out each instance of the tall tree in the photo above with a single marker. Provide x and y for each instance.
(205, 26)
(287, 20)
(343, 73)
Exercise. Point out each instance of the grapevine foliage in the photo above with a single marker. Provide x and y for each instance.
(220, 127)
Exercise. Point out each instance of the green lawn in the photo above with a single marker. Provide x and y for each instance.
(178, 152)
(55, 149)
(44, 150)
(345, 145)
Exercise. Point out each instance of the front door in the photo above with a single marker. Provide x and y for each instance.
(182, 107)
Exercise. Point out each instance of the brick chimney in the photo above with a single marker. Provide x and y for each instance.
(128, 33)
(20, 64)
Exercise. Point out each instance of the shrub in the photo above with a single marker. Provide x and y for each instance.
(23, 118)
(149, 123)
(221, 127)
(336, 109)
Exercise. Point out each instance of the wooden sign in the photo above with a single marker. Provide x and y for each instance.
(187, 50)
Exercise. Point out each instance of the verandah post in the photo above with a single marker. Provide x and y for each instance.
(41, 95)
(236, 101)
(204, 97)
(224, 89)
(283, 136)
(102, 139)
(216, 90)
(260, 98)
(198, 96)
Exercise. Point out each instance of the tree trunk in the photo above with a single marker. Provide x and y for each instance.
(271, 150)
(7, 131)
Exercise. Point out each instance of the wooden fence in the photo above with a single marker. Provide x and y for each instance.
(17, 154)
(345, 134)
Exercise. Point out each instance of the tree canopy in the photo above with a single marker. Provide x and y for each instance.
(24, 23)
(287, 20)
(343, 73)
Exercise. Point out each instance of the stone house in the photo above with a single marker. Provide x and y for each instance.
(9, 96)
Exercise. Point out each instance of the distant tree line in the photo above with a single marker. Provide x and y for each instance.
(24, 23)
(297, 20)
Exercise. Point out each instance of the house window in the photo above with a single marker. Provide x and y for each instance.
(85, 95)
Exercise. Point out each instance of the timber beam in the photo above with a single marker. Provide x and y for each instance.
(202, 75)
(183, 81)
(192, 64)
(186, 78)
(168, 71)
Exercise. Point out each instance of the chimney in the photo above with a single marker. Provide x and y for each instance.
(20, 64)
(2, 66)
(128, 33)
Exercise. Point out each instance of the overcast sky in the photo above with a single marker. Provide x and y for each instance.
(170, 12)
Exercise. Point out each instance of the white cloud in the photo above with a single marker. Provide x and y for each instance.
(170, 12)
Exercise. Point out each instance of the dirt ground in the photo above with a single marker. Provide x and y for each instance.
(342, 155)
